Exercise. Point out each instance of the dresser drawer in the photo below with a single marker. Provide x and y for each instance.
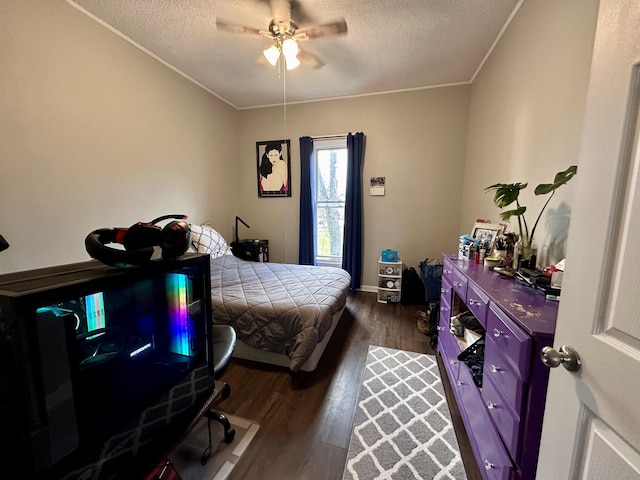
(448, 346)
(459, 284)
(445, 291)
(511, 341)
(493, 460)
(445, 318)
(447, 272)
(449, 351)
(503, 374)
(478, 303)
(505, 419)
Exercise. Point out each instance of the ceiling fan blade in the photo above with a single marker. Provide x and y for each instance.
(236, 28)
(309, 59)
(338, 27)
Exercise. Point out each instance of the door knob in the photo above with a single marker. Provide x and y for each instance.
(566, 356)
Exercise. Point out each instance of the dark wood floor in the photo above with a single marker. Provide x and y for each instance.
(306, 419)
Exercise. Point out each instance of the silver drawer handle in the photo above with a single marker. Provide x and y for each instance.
(496, 332)
(488, 465)
(494, 369)
(473, 302)
(459, 383)
(446, 271)
(491, 405)
(440, 328)
(453, 362)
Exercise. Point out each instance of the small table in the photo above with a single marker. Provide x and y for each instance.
(251, 249)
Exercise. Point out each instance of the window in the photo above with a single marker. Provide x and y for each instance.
(330, 173)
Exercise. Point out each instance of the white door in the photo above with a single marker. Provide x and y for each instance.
(592, 419)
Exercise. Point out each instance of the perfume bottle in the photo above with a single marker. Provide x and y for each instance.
(518, 251)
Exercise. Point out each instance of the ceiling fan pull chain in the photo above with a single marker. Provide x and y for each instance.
(284, 104)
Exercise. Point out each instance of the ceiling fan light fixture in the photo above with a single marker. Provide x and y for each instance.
(292, 62)
(290, 48)
(284, 34)
(271, 54)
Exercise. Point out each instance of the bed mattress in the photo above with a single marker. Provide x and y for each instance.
(276, 307)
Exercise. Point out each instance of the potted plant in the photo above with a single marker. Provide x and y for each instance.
(508, 193)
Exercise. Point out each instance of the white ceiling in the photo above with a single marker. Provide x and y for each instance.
(391, 45)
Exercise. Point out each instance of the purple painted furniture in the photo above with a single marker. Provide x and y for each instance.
(503, 419)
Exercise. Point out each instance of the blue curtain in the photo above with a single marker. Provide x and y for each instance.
(352, 246)
(306, 255)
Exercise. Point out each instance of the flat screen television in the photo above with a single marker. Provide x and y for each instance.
(102, 368)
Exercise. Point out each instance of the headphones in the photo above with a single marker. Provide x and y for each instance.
(138, 241)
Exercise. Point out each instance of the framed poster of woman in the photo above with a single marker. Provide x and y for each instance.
(274, 168)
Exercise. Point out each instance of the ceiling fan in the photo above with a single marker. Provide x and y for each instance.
(285, 34)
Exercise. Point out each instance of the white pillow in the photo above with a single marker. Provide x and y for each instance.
(207, 240)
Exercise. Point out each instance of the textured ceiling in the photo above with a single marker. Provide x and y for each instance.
(391, 45)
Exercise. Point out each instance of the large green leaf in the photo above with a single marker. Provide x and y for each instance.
(505, 216)
(505, 193)
(560, 179)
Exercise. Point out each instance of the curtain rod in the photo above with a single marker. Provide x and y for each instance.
(321, 137)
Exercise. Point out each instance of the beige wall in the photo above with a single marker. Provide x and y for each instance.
(526, 112)
(414, 139)
(524, 123)
(95, 133)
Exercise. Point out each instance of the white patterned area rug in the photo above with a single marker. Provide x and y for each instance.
(402, 426)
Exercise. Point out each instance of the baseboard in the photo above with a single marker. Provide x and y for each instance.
(369, 288)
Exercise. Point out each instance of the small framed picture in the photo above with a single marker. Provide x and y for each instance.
(274, 168)
(487, 233)
(376, 186)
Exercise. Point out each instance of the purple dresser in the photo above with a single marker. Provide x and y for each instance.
(503, 418)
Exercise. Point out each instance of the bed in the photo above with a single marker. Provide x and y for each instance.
(283, 314)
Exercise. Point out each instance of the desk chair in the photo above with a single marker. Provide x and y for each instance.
(224, 342)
